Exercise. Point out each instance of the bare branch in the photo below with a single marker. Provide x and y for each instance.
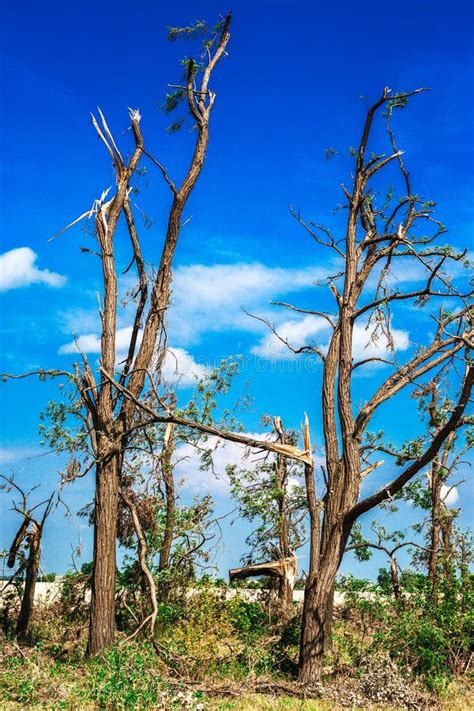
(163, 171)
(287, 450)
(304, 311)
(296, 351)
(430, 453)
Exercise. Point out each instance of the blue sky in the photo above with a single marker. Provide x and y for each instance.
(293, 84)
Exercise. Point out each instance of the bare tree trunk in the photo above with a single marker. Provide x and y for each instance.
(448, 553)
(102, 611)
(319, 592)
(286, 582)
(397, 590)
(435, 534)
(170, 494)
(317, 618)
(23, 627)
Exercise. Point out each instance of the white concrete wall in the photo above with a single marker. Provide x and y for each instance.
(47, 593)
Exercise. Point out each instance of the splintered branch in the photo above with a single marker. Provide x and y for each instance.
(112, 146)
(285, 449)
(371, 468)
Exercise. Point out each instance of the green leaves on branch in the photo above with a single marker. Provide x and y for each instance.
(397, 102)
(196, 30)
(173, 100)
(55, 431)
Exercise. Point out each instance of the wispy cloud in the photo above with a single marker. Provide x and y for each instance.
(18, 455)
(211, 298)
(314, 329)
(297, 333)
(17, 269)
(188, 466)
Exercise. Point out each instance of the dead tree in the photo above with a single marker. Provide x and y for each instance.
(442, 467)
(31, 532)
(262, 494)
(112, 423)
(378, 238)
(108, 417)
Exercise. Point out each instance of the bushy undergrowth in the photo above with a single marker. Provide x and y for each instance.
(431, 640)
(205, 636)
(211, 636)
(121, 678)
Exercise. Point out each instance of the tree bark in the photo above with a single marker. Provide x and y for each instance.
(436, 483)
(170, 494)
(317, 619)
(102, 611)
(23, 627)
(397, 590)
(286, 581)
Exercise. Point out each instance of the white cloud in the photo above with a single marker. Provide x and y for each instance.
(209, 286)
(90, 343)
(179, 368)
(188, 464)
(297, 332)
(300, 332)
(364, 346)
(449, 494)
(209, 298)
(17, 269)
(206, 299)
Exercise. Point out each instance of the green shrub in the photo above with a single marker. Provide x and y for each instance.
(249, 619)
(124, 678)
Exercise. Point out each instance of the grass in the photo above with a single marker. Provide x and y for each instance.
(216, 654)
(130, 678)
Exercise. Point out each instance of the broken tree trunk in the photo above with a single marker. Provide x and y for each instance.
(284, 570)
